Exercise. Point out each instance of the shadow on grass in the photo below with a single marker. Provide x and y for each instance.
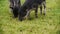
(58, 32)
(30, 18)
(1, 31)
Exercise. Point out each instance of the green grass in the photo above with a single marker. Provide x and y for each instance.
(49, 24)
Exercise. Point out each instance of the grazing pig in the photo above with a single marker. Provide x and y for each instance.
(15, 5)
(29, 4)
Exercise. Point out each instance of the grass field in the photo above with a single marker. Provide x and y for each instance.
(49, 24)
